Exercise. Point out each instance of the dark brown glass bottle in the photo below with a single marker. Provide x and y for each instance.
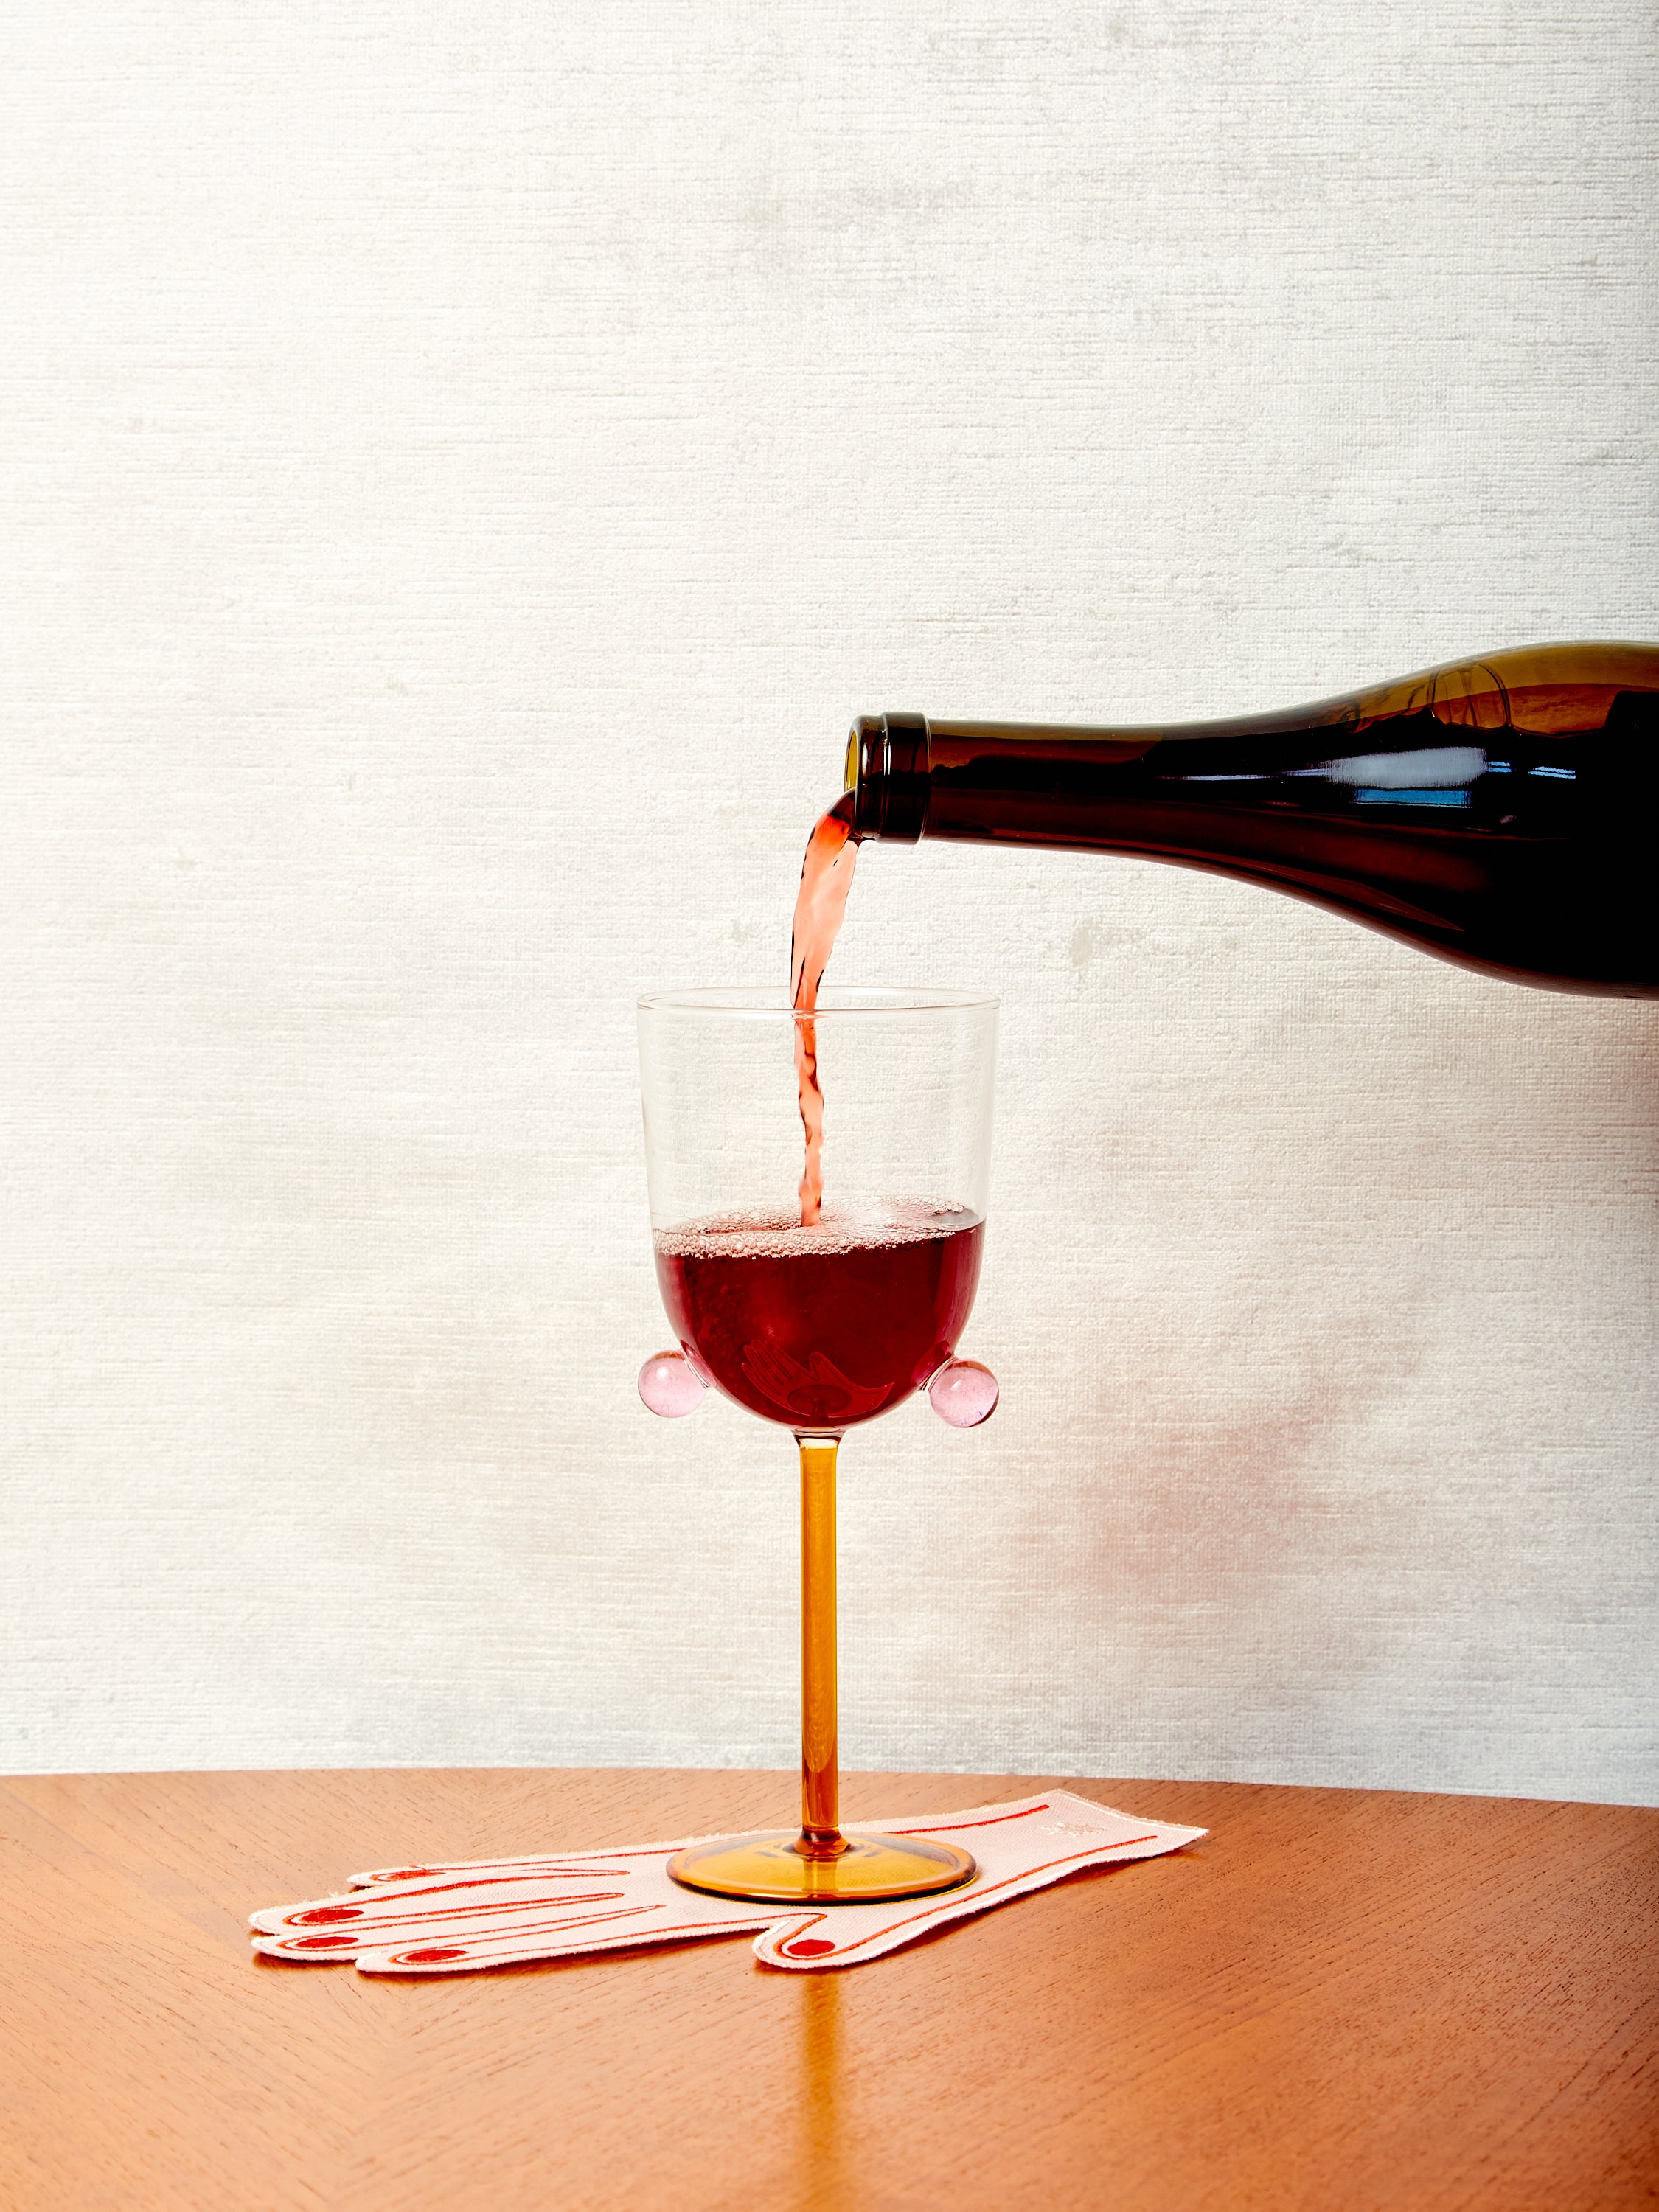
(1502, 812)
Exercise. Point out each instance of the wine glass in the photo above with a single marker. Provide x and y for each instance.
(818, 1328)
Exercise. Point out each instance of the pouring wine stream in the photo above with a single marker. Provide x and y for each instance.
(826, 878)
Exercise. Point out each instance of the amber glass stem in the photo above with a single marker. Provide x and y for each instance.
(820, 1824)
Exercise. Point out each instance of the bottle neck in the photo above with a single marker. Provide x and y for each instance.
(906, 772)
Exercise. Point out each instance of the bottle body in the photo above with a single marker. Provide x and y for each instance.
(1502, 812)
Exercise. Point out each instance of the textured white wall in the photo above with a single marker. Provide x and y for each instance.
(463, 469)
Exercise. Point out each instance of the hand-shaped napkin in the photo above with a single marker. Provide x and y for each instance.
(493, 1913)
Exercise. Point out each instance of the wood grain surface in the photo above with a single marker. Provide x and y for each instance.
(1342, 1998)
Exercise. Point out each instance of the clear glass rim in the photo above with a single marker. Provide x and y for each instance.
(844, 1001)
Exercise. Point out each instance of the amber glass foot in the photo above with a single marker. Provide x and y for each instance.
(774, 1870)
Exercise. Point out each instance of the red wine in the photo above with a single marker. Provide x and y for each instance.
(824, 1326)
(826, 878)
(1502, 813)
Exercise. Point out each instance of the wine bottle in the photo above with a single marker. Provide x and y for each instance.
(1502, 812)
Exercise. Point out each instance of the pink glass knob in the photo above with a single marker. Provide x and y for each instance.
(671, 1385)
(962, 1393)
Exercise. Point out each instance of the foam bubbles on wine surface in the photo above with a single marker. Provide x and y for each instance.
(779, 1233)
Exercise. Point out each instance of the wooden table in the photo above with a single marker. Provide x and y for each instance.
(1344, 1999)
